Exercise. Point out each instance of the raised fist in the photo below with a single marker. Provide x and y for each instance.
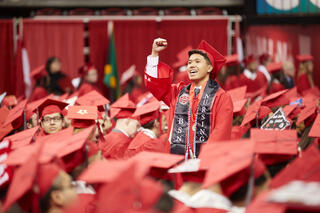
(158, 45)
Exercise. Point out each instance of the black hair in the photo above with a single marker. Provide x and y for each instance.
(240, 194)
(44, 202)
(149, 125)
(49, 62)
(191, 52)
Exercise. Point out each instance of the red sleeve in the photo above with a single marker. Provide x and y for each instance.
(223, 118)
(162, 87)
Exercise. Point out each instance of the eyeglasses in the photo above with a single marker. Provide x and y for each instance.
(54, 119)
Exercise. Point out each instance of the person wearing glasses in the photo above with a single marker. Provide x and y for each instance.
(51, 117)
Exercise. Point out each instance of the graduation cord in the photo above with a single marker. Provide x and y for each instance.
(188, 148)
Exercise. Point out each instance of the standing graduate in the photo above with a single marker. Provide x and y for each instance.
(200, 111)
(89, 78)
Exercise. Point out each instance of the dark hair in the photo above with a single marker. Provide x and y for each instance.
(49, 62)
(44, 202)
(240, 194)
(191, 52)
(149, 125)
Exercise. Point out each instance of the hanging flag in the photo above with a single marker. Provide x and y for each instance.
(110, 69)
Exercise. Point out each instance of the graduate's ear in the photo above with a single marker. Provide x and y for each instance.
(209, 68)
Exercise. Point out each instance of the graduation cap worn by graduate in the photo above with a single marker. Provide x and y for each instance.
(303, 58)
(4, 130)
(217, 59)
(128, 193)
(274, 67)
(148, 112)
(229, 164)
(22, 138)
(93, 98)
(255, 112)
(15, 116)
(50, 106)
(82, 116)
(276, 99)
(232, 60)
(305, 168)
(23, 179)
(315, 129)
(122, 108)
(238, 98)
(275, 146)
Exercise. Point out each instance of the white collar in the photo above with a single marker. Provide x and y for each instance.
(148, 132)
(250, 75)
(263, 69)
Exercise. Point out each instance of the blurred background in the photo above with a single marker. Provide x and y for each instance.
(119, 33)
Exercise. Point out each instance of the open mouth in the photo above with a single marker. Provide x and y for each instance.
(193, 72)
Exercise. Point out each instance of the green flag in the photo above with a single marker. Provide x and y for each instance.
(110, 69)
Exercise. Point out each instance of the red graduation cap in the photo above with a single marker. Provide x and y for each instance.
(32, 106)
(238, 98)
(251, 113)
(264, 57)
(50, 106)
(4, 130)
(82, 116)
(147, 112)
(217, 60)
(158, 162)
(275, 141)
(22, 138)
(249, 60)
(122, 108)
(274, 67)
(15, 113)
(238, 93)
(23, 179)
(260, 204)
(93, 98)
(46, 176)
(315, 130)
(228, 164)
(128, 193)
(182, 57)
(303, 58)
(232, 60)
(305, 168)
(103, 171)
(276, 99)
(308, 111)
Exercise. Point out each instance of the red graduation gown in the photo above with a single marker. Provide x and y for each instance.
(142, 142)
(253, 85)
(221, 109)
(303, 83)
(115, 145)
(85, 88)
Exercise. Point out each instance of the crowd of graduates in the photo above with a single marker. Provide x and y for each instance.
(67, 149)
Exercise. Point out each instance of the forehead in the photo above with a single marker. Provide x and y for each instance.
(196, 56)
(57, 114)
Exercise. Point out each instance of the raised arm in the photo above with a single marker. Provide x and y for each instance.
(158, 75)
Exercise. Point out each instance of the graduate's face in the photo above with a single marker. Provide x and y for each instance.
(55, 66)
(92, 76)
(66, 193)
(52, 123)
(198, 67)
